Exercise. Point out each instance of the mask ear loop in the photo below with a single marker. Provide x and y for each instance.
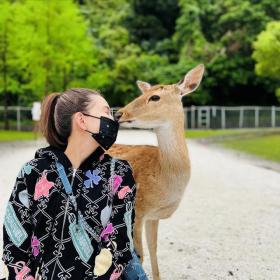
(90, 115)
(86, 114)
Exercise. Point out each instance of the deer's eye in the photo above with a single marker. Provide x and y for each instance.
(154, 98)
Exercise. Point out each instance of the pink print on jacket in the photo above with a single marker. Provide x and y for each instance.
(101, 157)
(35, 243)
(117, 272)
(124, 191)
(43, 186)
(23, 273)
(117, 182)
(106, 231)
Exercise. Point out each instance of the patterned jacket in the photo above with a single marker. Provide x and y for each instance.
(40, 224)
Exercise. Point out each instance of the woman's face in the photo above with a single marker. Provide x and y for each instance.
(99, 107)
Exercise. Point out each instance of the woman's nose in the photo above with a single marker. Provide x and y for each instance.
(118, 115)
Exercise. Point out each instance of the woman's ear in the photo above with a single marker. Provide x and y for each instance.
(78, 119)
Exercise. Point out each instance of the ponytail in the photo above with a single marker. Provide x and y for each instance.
(47, 122)
(57, 110)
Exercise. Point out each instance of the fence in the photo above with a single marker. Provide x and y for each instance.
(222, 117)
(196, 117)
(20, 118)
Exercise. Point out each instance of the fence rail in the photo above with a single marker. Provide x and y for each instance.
(196, 117)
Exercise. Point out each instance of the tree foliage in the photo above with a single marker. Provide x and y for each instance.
(51, 45)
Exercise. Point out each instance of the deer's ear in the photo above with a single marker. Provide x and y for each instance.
(191, 80)
(143, 86)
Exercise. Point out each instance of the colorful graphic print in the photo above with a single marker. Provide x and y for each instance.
(26, 169)
(43, 186)
(93, 178)
(35, 243)
(14, 228)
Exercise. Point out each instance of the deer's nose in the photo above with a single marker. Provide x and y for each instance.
(118, 115)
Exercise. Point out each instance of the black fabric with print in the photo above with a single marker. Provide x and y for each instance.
(35, 228)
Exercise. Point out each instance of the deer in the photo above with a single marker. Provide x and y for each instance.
(161, 172)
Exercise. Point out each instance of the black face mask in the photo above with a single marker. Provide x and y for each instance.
(108, 131)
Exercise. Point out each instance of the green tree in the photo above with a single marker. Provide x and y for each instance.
(10, 78)
(56, 47)
(152, 23)
(122, 61)
(267, 53)
(220, 35)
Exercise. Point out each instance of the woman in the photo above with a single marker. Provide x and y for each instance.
(71, 212)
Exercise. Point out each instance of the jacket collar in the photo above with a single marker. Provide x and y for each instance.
(59, 154)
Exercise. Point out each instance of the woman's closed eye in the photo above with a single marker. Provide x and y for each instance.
(109, 114)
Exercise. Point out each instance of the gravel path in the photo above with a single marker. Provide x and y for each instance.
(226, 227)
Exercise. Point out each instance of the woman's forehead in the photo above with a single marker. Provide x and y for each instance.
(98, 102)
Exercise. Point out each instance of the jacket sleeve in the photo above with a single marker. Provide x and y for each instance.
(17, 226)
(117, 246)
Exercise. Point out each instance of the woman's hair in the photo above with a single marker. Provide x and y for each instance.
(57, 110)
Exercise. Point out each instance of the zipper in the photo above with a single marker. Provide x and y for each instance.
(64, 218)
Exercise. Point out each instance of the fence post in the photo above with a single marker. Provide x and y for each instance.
(186, 118)
(241, 117)
(18, 119)
(273, 116)
(208, 117)
(192, 116)
(256, 117)
(223, 117)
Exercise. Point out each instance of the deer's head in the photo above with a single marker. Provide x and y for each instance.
(159, 104)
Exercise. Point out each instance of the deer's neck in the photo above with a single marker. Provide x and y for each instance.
(174, 157)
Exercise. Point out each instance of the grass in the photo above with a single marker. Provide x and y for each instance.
(13, 135)
(264, 143)
(230, 133)
(213, 133)
(267, 147)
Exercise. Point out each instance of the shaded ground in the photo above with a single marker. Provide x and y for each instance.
(226, 227)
